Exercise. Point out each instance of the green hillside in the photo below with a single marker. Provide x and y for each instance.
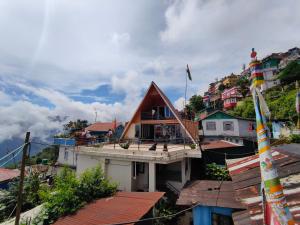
(281, 102)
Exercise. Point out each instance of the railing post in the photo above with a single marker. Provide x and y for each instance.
(114, 143)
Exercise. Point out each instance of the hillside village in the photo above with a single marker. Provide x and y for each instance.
(195, 166)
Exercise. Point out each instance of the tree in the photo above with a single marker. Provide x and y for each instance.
(196, 103)
(243, 83)
(290, 73)
(74, 126)
(221, 88)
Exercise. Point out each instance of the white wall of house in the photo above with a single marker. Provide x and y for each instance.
(88, 161)
(67, 156)
(240, 128)
(120, 172)
(219, 131)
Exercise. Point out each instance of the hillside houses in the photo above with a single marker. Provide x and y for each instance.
(215, 96)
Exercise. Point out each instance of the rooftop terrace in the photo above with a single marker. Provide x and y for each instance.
(141, 152)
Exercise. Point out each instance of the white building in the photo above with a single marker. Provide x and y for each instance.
(138, 168)
(220, 125)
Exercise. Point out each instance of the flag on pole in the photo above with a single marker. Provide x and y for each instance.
(188, 72)
(276, 211)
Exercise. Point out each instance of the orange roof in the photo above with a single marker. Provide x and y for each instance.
(102, 126)
(123, 207)
(8, 174)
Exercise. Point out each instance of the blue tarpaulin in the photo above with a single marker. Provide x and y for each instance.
(65, 141)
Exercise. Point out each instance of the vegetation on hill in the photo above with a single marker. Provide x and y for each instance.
(50, 153)
(290, 73)
(281, 103)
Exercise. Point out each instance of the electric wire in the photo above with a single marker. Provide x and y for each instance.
(3, 164)
(13, 151)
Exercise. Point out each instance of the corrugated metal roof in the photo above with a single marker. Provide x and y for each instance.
(245, 174)
(209, 193)
(123, 207)
(8, 174)
(218, 144)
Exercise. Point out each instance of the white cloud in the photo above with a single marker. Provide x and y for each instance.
(54, 49)
(4, 99)
(179, 103)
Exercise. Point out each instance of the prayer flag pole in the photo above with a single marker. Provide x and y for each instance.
(276, 211)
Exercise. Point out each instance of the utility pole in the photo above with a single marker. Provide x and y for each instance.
(19, 202)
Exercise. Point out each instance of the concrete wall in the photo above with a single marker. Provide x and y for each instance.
(88, 161)
(67, 156)
(116, 170)
(120, 172)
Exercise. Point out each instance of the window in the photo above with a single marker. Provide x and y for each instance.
(228, 126)
(168, 113)
(210, 125)
(66, 155)
(137, 131)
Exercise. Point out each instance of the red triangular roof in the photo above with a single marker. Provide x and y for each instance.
(168, 103)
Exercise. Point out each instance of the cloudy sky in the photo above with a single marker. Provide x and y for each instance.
(71, 58)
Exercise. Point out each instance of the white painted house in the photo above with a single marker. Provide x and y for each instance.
(220, 125)
(138, 168)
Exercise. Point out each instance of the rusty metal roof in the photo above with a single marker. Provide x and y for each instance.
(218, 144)
(246, 180)
(209, 193)
(123, 207)
(8, 174)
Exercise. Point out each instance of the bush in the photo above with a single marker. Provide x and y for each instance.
(93, 185)
(69, 193)
(294, 138)
(216, 172)
(63, 199)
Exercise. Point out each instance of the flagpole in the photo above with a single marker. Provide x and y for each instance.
(185, 109)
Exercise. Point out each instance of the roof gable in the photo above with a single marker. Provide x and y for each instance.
(168, 103)
(219, 115)
(223, 115)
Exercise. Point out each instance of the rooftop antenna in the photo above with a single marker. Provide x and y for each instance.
(96, 114)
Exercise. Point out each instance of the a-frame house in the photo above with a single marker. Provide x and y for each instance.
(157, 120)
